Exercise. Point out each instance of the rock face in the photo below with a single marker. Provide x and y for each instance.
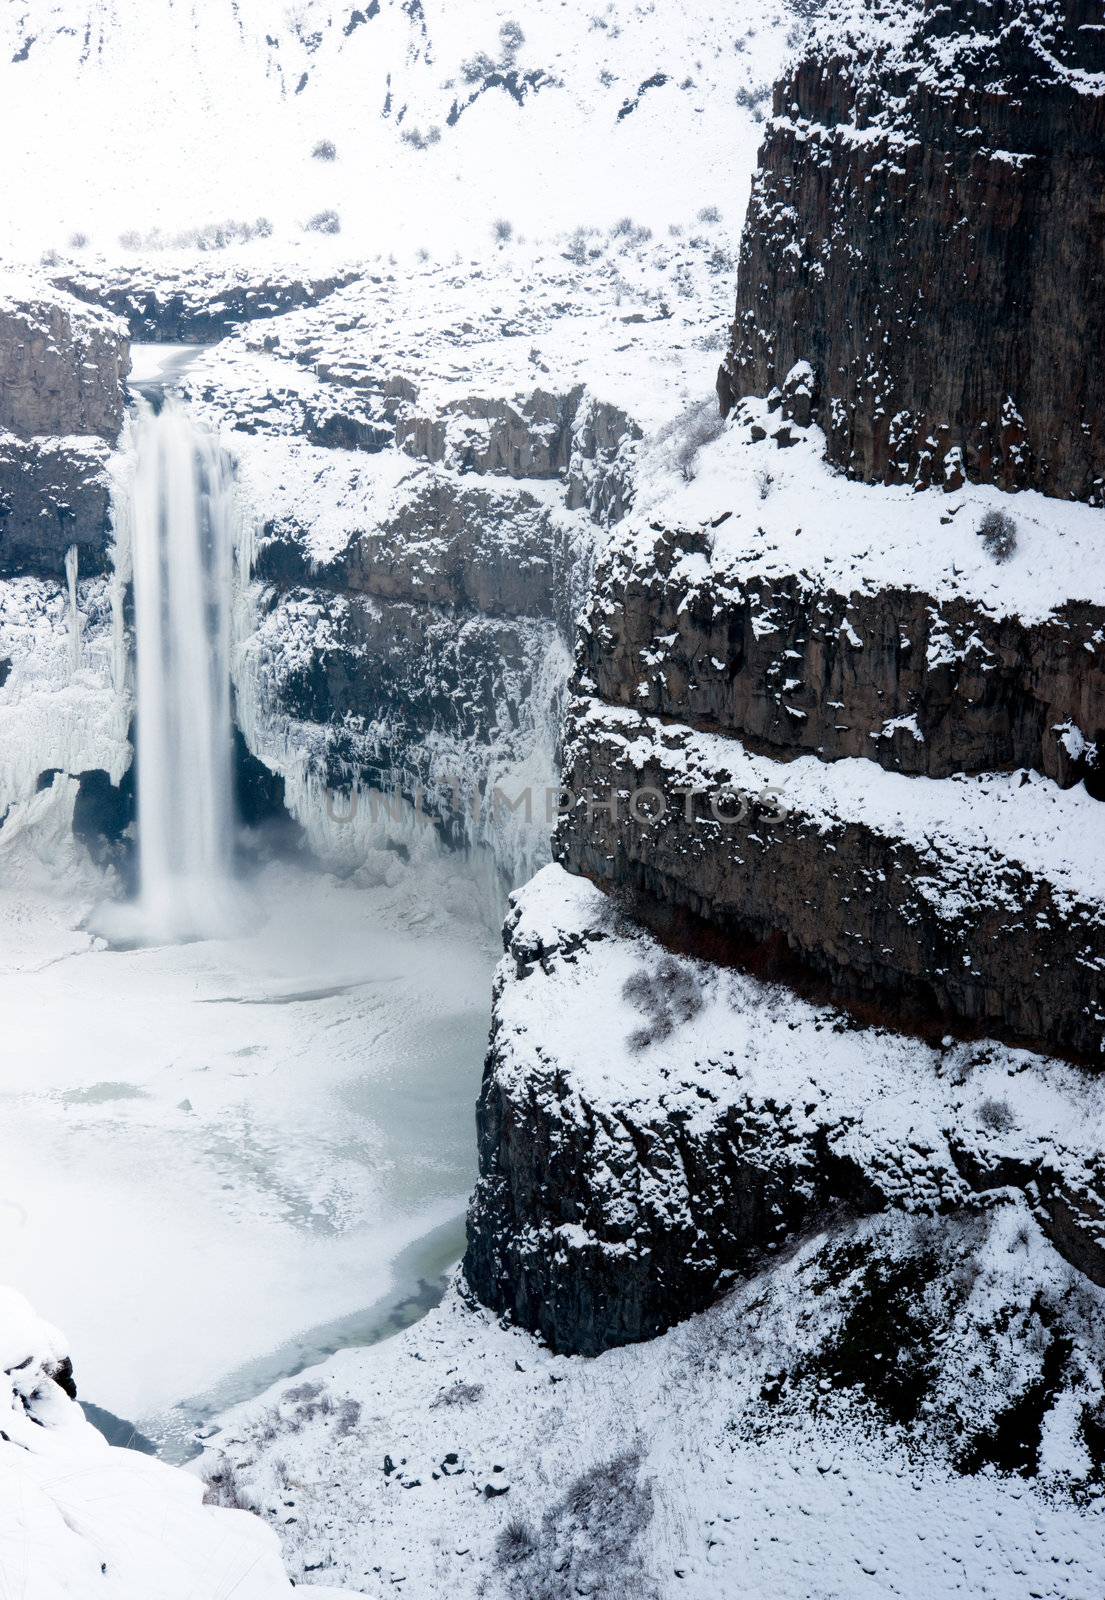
(431, 472)
(162, 307)
(832, 745)
(927, 232)
(823, 877)
(918, 683)
(652, 1126)
(62, 372)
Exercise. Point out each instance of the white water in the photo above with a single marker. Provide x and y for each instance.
(182, 544)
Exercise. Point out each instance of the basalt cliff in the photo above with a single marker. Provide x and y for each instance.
(827, 895)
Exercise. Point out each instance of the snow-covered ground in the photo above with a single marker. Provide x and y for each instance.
(210, 1150)
(473, 1463)
(78, 1517)
(421, 121)
(904, 1404)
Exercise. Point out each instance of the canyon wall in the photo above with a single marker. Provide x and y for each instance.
(829, 740)
(926, 233)
(63, 366)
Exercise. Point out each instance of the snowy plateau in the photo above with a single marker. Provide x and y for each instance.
(552, 729)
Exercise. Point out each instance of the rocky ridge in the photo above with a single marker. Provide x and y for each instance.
(966, 135)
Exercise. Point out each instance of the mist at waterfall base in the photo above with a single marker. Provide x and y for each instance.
(243, 1118)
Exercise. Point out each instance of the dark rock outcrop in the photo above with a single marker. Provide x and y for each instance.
(927, 232)
(62, 368)
(159, 307)
(53, 493)
(924, 927)
(62, 372)
(917, 684)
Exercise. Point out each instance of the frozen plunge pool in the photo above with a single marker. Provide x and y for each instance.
(219, 1160)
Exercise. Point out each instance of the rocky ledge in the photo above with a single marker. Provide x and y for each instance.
(652, 1125)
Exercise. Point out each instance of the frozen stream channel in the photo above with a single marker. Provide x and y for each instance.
(220, 1158)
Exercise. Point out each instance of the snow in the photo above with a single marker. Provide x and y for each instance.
(656, 1466)
(212, 1149)
(983, 818)
(80, 1517)
(191, 118)
(775, 512)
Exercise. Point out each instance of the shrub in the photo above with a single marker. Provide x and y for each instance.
(998, 533)
(78, 241)
(325, 150)
(503, 230)
(477, 68)
(709, 214)
(996, 1115)
(512, 38)
(668, 994)
(225, 1488)
(323, 222)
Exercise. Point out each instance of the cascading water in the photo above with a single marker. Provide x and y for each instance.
(182, 535)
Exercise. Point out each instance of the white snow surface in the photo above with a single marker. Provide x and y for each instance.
(653, 1471)
(212, 1149)
(81, 1518)
(202, 115)
(974, 820)
(776, 512)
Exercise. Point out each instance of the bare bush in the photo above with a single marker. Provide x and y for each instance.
(588, 1542)
(323, 222)
(667, 994)
(998, 533)
(225, 1488)
(461, 1394)
(78, 241)
(709, 214)
(686, 434)
(325, 150)
(211, 236)
(503, 230)
(996, 1115)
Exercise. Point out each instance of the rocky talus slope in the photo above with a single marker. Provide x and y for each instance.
(63, 366)
(831, 744)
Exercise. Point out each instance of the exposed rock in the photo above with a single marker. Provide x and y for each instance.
(62, 365)
(171, 307)
(931, 917)
(652, 1126)
(62, 372)
(925, 241)
(53, 493)
(916, 683)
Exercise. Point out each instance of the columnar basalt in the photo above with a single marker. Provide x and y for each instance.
(926, 238)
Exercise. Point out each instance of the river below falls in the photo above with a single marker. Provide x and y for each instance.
(221, 1160)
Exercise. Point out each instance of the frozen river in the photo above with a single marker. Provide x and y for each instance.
(220, 1158)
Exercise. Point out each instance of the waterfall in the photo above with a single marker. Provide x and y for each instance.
(182, 521)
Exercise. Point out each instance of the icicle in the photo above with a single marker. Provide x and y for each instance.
(71, 561)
